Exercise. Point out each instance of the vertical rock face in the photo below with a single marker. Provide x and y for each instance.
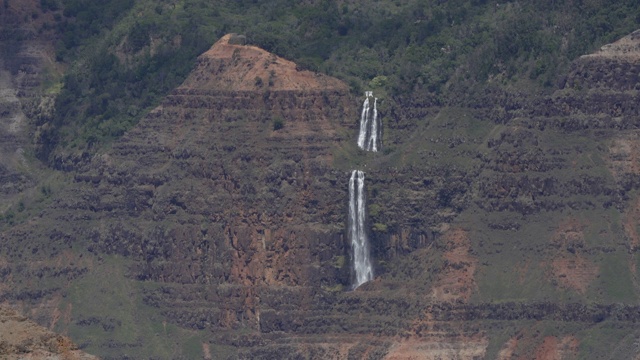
(244, 167)
(224, 195)
(502, 230)
(231, 183)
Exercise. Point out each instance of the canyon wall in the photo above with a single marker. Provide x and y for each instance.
(502, 227)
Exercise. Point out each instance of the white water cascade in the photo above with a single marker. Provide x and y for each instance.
(357, 230)
(369, 124)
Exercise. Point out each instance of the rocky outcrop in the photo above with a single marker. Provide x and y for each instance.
(615, 67)
(24, 339)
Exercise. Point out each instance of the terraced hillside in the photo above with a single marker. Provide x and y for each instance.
(502, 224)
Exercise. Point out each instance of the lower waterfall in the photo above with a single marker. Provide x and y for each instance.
(357, 230)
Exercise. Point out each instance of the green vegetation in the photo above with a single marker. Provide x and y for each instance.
(594, 340)
(378, 82)
(135, 52)
(374, 210)
(378, 227)
(278, 123)
(125, 55)
(108, 309)
(8, 217)
(338, 288)
(617, 280)
(339, 261)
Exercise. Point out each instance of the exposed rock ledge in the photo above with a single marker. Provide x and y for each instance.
(238, 67)
(21, 338)
(627, 48)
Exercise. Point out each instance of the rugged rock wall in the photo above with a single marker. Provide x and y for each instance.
(501, 227)
(231, 186)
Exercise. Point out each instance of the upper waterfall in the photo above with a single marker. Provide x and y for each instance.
(369, 135)
(357, 230)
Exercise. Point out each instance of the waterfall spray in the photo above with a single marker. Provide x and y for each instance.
(357, 230)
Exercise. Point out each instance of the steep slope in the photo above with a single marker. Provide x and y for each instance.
(26, 63)
(230, 185)
(23, 339)
(502, 230)
(501, 227)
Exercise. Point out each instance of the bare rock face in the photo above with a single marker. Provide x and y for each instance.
(233, 67)
(21, 338)
(615, 66)
(232, 190)
(600, 91)
(245, 169)
(228, 204)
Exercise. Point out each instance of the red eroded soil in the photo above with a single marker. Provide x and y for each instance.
(456, 280)
(553, 348)
(21, 338)
(242, 65)
(439, 348)
(508, 349)
(570, 268)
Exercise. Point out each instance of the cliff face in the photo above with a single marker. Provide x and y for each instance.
(231, 186)
(26, 54)
(501, 228)
(245, 169)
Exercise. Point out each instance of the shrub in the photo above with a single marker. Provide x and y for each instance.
(378, 81)
(278, 123)
(378, 227)
(374, 210)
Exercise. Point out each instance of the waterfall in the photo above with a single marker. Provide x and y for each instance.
(367, 140)
(369, 124)
(373, 137)
(364, 121)
(357, 230)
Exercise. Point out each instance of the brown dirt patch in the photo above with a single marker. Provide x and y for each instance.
(624, 155)
(456, 280)
(553, 348)
(508, 349)
(206, 350)
(575, 272)
(629, 223)
(237, 68)
(569, 266)
(432, 349)
(24, 339)
(627, 48)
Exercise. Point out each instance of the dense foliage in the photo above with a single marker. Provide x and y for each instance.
(126, 54)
